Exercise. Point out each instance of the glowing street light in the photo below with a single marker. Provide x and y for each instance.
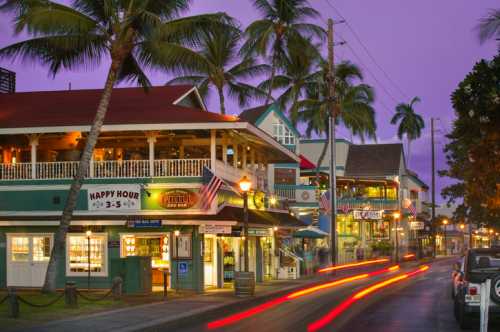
(88, 233)
(396, 216)
(445, 224)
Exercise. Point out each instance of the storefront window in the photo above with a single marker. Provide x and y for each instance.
(229, 258)
(392, 193)
(157, 246)
(77, 254)
(41, 248)
(346, 225)
(20, 249)
(377, 230)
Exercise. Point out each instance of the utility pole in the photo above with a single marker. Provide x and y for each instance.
(433, 193)
(331, 132)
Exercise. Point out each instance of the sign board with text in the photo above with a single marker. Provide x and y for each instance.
(368, 214)
(111, 198)
(417, 225)
(215, 229)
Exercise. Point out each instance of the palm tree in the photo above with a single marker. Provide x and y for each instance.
(219, 50)
(410, 123)
(132, 34)
(283, 23)
(489, 26)
(354, 102)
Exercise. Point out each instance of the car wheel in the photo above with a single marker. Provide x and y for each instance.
(495, 289)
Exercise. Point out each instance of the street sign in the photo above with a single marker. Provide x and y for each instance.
(183, 268)
(417, 225)
(368, 214)
(215, 229)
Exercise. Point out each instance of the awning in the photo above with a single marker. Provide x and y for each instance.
(310, 232)
(306, 163)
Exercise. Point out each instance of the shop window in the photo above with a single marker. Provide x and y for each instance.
(377, 230)
(20, 249)
(347, 226)
(392, 193)
(41, 248)
(284, 176)
(374, 192)
(156, 246)
(282, 133)
(77, 255)
(413, 195)
(208, 250)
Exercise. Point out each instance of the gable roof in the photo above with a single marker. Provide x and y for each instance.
(257, 114)
(78, 107)
(374, 159)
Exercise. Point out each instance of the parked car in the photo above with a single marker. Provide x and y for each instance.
(478, 265)
(458, 267)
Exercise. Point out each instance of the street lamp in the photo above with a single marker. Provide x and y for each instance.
(245, 185)
(176, 234)
(445, 223)
(396, 216)
(89, 234)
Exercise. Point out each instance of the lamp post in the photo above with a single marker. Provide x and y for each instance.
(445, 223)
(176, 234)
(89, 234)
(396, 216)
(491, 235)
(245, 185)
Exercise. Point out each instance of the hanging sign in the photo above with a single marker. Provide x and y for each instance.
(215, 229)
(110, 198)
(417, 225)
(177, 199)
(258, 232)
(367, 214)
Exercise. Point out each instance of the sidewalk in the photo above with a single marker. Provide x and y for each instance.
(181, 308)
(149, 315)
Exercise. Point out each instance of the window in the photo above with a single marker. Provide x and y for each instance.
(77, 249)
(283, 134)
(41, 248)
(157, 246)
(20, 249)
(284, 176)
(413, 195)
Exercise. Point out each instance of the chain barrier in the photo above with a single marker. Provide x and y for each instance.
(36, 305)
(4, 299)
(85, 297)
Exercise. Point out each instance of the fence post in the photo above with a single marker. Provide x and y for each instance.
(117, 288)
(12, 303)
(70, 298)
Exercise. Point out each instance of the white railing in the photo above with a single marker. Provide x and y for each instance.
(17, 171)
(105, 169)
(285, 192)
(180, 167)
(234, 174)
(56, 170)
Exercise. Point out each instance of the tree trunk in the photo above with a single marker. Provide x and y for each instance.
(271, 79)
(58, 250)
(221, 101)
(321, 157)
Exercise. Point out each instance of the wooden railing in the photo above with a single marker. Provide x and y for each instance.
(104, 169)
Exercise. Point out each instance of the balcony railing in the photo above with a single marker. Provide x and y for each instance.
(233, 174)
(104, 169)
(367, 203)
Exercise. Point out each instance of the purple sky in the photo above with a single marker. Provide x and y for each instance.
(426, 47)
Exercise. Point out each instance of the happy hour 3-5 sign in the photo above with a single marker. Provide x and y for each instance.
(111, 198)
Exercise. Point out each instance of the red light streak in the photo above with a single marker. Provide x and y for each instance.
(267, 305)
(408, 256)
(325, 320)
(345, 266)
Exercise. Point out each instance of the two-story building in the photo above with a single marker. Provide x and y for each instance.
(373, 183)
(141, 196)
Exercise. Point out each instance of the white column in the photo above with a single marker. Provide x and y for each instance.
(235, 155)
(213, 150)
(224, 151)
(244, 161)
(252, 159)
(151, 140)
(34, 144)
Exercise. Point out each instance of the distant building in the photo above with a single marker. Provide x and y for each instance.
(7, 81)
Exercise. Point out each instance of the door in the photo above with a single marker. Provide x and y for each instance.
(27, 259)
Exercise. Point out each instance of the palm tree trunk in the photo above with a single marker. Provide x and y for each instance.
(271, 79)
(221, 100)
(321, 157)
(58, 250)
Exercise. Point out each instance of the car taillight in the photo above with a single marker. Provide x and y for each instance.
(472, 291)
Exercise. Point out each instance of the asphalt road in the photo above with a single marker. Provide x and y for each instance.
(418, 304)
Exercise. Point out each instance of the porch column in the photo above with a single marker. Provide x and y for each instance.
(252, 159)
(34, 140)
(151, 141)
(244, 161)
(181, 151)
(224, 151)
(235, 155)
(213, 150)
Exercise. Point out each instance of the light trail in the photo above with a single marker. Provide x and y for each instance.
(346, 266)
(325, 320)
(275, 302)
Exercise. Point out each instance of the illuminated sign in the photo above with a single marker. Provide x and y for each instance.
(111, 198)
(176, 199)
(367, 214)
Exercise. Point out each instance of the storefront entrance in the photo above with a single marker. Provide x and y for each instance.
(27, 259)
(155, 245)
(210, 261)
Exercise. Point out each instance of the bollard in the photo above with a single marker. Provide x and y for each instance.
(12, 303)
(117, 288)
(70, 298)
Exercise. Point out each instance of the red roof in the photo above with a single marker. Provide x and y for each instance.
(305, 163)
(78, 107)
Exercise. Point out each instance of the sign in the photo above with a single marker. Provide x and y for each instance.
(258, 232)
(215, 229)
(109, 198)
(417, 225)
(183, 268)
(144, 223)
(259, 199)
(368, 214)
(177, 199)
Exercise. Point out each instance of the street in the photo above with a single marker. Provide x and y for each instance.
(420, 304)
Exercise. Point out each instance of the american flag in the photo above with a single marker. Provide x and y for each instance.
(324, 202)
(208, 191)
(412, 209)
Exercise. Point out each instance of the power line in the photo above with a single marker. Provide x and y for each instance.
(356, 36)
